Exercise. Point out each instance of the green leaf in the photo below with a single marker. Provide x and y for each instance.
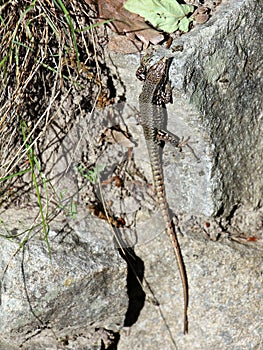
(184, 24)
(166, 15)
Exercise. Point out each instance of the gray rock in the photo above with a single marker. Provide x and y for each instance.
(69, 294)
(222, 70)
(225, 287)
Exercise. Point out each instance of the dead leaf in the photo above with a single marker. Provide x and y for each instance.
(127, 23)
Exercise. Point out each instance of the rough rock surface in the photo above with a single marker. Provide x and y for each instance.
(225, 310)
(75, 297)
(222, 77)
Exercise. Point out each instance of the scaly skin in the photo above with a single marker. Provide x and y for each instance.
(151, 110)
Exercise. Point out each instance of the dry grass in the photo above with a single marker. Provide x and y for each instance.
(47, 51)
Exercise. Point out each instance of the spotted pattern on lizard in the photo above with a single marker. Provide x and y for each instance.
(152, 109)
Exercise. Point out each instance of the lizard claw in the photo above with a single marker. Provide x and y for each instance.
(183, 142)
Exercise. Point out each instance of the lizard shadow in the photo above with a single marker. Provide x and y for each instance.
(136, 294)
(135, 291)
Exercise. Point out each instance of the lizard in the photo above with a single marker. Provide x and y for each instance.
(152, 108)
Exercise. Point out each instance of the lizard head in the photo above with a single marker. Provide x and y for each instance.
(157, 72)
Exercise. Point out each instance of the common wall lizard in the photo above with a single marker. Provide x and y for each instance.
(152, 120)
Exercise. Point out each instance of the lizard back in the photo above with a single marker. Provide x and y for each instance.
(152, 120)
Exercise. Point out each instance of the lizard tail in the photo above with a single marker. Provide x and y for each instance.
(160, 192)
